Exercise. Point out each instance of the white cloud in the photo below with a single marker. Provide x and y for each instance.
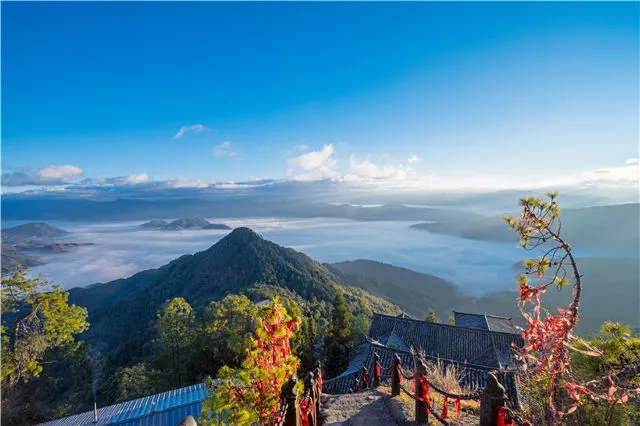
(366, 170)
(51, 175)
(184, 183)
(303, 147)
(186, 129)
(315, 159)
(412, 159)
(128, 180)
(314, 165)
(628, 174)
(56, 174)
(632, 161)
(224, 149)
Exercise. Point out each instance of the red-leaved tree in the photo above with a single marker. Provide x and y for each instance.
(251, 394)
(548, 338)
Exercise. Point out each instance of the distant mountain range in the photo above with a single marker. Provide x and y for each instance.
(186, 223)
(615, 228)
(126, 209)
(20, 244)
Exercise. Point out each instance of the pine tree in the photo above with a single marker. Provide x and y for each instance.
(338, 339)
(431, 316)
(175, 325)
(308, 337)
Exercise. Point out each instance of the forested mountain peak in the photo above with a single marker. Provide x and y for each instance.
(241, 262)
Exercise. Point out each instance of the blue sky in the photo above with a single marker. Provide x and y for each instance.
(412, 95)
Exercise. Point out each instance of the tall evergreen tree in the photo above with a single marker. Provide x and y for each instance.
(304, 347)
(338, 339)
(175, 325)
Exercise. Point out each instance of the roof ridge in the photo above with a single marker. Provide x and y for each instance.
(438, 324)
(485, 314)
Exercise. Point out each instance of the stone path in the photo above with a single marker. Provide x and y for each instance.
(356, 409)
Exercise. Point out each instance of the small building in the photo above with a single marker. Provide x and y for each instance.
(166, 408)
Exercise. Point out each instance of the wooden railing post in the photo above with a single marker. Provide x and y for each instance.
(377, 368)
(422, 417)
(493, 397)
(317, 377)
(289, 395)
(395, 377)
(365, 378)
(311, 388)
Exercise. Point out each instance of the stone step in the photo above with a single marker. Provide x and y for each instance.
(356, 409)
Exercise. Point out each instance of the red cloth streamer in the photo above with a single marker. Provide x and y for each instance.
(365, 379)
(426, 398)
(445, 408)
(457, 405)
(377, 371)
(304, 412)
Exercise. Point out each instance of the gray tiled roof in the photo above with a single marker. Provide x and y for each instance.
(484, 322)
(483, 347)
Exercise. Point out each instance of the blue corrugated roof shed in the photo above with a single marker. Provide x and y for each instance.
(167, 408)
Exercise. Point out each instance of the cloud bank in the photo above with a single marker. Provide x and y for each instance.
(51, 175)
(319, 171)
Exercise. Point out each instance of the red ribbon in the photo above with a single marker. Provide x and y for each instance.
(304, 412)
(377, 371)
(457, 404)
(425, 393)
(445, 408)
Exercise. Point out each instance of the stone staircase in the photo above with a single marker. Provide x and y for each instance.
(367, 408)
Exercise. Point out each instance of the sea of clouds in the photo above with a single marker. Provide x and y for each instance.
(123, 248)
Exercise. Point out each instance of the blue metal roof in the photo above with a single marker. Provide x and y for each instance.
(167, 408)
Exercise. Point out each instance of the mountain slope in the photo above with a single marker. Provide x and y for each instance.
(610, 291)
(12, 257)
(414, 292)
(120, 312)
(36, 230)
(598, 228)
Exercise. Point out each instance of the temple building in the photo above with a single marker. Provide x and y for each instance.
(477, 344)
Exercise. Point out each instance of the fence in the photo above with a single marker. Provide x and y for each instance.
(301, 411)
(492, 395)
